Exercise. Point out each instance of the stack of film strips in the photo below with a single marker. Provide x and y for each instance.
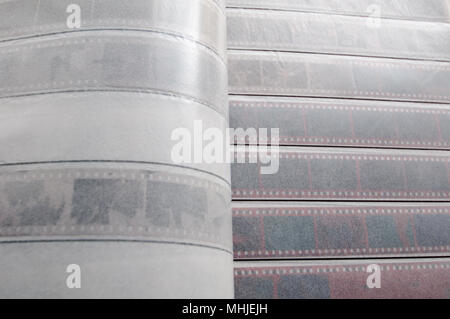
(360, 92)
(90, 93)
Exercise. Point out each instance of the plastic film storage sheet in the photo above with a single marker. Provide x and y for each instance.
(91, 94)
(101, 126)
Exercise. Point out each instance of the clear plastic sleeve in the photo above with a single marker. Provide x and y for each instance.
(113, 201)
(102, 126)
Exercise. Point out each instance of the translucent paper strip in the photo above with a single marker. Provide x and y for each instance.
(414, 278)
(102, 126)
(327, 122)
(337, 230)
(295, 74)
(113, 201)
(114, 61)
(343, 174)
(337, 34)
(438, 10)
(206, 22)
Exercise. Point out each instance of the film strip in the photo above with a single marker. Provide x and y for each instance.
(312, 75)
(113, 201)
(435, 10)
(320, 122)
(114, 62)
(339, 174)
(41, 17)
(419, 279)
(337, 230)
(96, 126)
(347, 35)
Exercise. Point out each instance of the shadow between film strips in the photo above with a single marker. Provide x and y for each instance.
(343, 280)
(101, 201)
(340, 230)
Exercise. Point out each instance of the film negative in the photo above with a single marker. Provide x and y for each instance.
(333, 122)
(113, 201)
(312, 75)
(337, 34)
(340, 174)
(113, 61)
(339, 230)
(104, 126)
(436, 10)
(408, 278)
(41, 17)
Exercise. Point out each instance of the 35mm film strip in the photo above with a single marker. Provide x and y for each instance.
(113, 201)
(108, 126)
(324, 122)
(315, 75)
(338, 230)
(434, 10)
(304, 32)
(343, 280)
(33, 18)
(341, 174)
(114, 61)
